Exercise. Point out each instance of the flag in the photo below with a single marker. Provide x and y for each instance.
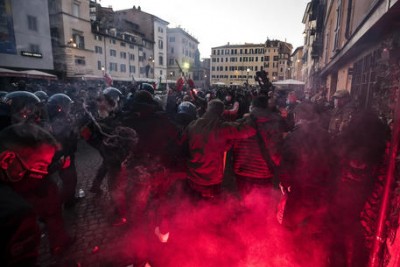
(107, 79)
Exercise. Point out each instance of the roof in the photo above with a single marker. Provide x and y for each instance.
(178, 29)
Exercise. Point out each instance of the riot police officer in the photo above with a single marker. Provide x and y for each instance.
(18, 106)
(63, 129)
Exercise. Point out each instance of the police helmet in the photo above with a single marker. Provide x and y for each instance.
(22, 105)
(59, 103)
(113, 93)
(17, 100)
(187, 108)
(2, 94)
(42, 95)
(147, 87)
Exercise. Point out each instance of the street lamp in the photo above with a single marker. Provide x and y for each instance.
(186, 67)
(151, 59)
(72, 43)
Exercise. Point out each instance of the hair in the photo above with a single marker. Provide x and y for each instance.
(215, 106)
(25, 135)
(144, 97)
(260, 102)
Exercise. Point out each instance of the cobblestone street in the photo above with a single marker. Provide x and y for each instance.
(89, 223)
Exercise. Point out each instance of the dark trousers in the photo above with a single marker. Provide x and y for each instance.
(69, 179)
(46, 203)
(20, 233)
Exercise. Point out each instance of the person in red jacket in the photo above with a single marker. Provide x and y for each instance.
(249, 165)
(208, 139)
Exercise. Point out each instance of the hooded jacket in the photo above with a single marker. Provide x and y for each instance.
(208, 138)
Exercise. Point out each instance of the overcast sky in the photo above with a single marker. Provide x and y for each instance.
(217, 22)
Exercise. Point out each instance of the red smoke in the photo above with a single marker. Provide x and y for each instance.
(225, 234)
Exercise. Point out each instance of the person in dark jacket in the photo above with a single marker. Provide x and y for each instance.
(250, 167)
(361, 155)
(306, 175)
(26, 151)
(154, 158)
(209, 137)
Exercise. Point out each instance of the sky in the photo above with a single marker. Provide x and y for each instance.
(215, 23)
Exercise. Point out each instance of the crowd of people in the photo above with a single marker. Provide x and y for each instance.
(325, 158)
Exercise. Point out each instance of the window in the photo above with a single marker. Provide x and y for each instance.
(132, 69)
(98, 37)
(132, 57)
(98, 49)
(172, 39)
(32, 23)
(172, 50)
(160, 29)
(113, 67)
(80, 60)
(123, 44)
(78, 38)
(34, 48)
(122, 54)
(131, 46)
(113, 53)
(171, 62)
(122, 68)
(161, 60)
(75, 9)
(99, 65)
(112, 41)
(338, 25)
(160, 44)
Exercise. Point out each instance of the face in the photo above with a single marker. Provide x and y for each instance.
(228, 98)
(30, 163)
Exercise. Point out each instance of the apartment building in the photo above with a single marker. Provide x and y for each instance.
(72, 38)
(153, 52)
(116, 51)
(25, 35)
(296, 66)
(238, 64)
(361, 42)
(182, 48)
(313, 21)
(277, 59)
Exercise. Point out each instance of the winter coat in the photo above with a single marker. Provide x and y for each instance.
(248, 160)
(208, 138)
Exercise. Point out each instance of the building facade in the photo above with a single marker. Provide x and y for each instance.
(297, 64)
(72, 38)
(360, 39)
(25, 32)
(116, 51)
(238, 64)
(182, 50)
(313, 21)
(153, 52)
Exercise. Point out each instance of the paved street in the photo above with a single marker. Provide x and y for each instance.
(88, 222)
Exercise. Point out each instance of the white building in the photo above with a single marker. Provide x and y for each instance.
(182, 48)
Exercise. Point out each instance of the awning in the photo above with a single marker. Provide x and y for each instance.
(288, 82)
(11, 73)
(35, 74)
(88, 77)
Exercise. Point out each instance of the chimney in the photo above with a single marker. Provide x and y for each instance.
(139, 8)
(134, 7)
